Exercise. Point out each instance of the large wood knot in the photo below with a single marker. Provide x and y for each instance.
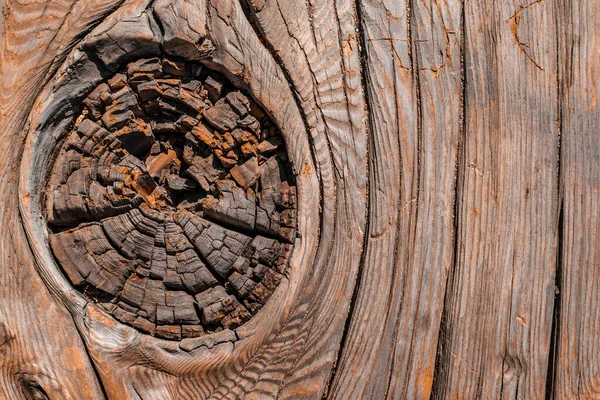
(172, 202)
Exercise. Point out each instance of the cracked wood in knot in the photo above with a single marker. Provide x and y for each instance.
(172, 202)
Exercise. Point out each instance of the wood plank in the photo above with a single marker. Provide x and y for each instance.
(499, 308)
(41, 351)
(410, 68)
(577, 345)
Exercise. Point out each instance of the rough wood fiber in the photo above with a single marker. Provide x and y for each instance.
(576, 372)
(413, 61)
(287, 350)
(317, 46)
(446, 156)
(41, 353)
(499, 304)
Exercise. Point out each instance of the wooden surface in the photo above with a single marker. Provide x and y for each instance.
(447, 160)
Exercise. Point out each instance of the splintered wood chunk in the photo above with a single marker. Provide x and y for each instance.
(190, 331)
(269, 145)
(241, 136)
(175, 68)
(175, 182)
(186, 314)
(271, 279)
(155, 164)
(249, 149)
(127, 317)
(191, 100)
(185, 123)
(94, 103)
(158, 263)
(288, 218)
(211, 296)
(144, 185)
(270, 179)
(136, 137)
(150, 66)
(117, 117)
(170, 108)
(236, 317)
(133, 291)
(242, 284)
(207, 137)
(205, 169)
(117, 82)
(251, 124)
(288, 196)
(221, 116)
(144, 325)
(164, 315)
(87, 128)
(239, 103)
(220, 311)
(172, 332)
(221, 248)
(195, 87)
(148, 91)
(259, 296)
(234, 206)
(172, 280)
(246, 174)
(214, 88)
(124, 108)
(164, 127)
(183, 306)
(266, 250)
(270, 174)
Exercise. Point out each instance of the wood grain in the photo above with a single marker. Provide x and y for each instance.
(287, 350)
(316, 44)
(413, 59)
(575, 373)
(500, 300)
(446, 155)
(38, 360)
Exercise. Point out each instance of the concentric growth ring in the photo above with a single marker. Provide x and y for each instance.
(172, 202)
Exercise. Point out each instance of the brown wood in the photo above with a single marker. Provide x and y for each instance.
(574, 372)
(349, 199)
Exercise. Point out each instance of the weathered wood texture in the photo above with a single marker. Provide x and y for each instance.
(413, 66)
(40, 350)
(575, 372)
(500, 296)
(446, 155)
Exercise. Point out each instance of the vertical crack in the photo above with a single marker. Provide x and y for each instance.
(442, 360)
(553, 350)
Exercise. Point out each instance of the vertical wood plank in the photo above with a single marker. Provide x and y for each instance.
(412, 65)
(499, 310)
(578, 316)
